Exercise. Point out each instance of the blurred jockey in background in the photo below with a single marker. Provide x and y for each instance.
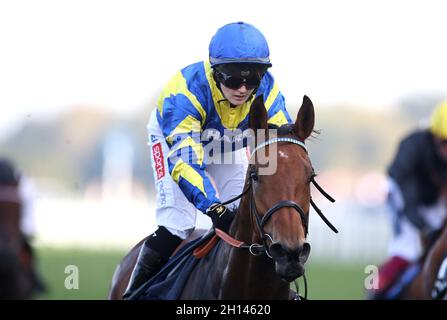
(417, 196)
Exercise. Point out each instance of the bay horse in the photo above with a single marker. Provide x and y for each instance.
(270, 226)
(431, 280)
(15, 280)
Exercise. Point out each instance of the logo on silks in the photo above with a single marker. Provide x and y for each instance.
(153, 138)
(158, 160)
(161, 193)
(219, 210)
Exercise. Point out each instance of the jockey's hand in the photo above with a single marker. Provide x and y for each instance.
(221, 216)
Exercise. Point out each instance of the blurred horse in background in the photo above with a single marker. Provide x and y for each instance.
(15, 261)
(269, 248)
(431, 281)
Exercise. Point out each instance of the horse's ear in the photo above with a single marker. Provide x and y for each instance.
(305, 120)
(258, 114)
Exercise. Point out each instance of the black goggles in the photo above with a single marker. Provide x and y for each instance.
(235, 82)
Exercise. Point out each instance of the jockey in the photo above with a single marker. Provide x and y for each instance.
(205, 104)
(417, 199)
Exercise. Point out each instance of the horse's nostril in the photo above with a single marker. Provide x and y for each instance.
(277, 251)
(281, 253)
(299, 254)
(304, 252)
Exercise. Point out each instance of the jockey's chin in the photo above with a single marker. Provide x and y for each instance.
(237, 97)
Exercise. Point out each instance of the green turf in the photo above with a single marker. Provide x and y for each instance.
(334, 281)
(326, 281)
(95, 272)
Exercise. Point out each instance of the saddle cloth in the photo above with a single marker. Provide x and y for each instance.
(169, 282)
(396, 289)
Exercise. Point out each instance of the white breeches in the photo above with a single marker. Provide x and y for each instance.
(407, 243)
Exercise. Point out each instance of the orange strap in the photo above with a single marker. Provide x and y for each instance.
(228, 239)
(204, 249)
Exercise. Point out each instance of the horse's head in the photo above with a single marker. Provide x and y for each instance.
(10, 204)
(14, 275)
(281, 192)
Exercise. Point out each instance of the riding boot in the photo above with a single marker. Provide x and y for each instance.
(154, 253)
(149, 262)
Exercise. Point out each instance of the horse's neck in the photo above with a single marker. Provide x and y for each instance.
(248, 276)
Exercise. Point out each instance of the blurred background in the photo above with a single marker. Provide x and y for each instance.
(78, 80)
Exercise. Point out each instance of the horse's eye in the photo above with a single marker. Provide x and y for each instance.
(254, 174)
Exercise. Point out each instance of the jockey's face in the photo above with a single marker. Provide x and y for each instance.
(239, 80)
(236, 96)
(441, 146)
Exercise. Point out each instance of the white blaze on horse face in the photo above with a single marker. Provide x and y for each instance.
(283, 155)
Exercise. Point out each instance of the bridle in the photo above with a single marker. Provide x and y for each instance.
(258, 249)
(255, 248)
(254, 213)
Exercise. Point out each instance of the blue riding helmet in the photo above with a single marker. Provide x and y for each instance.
(239, 42)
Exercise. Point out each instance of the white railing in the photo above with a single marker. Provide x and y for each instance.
(363, 233)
